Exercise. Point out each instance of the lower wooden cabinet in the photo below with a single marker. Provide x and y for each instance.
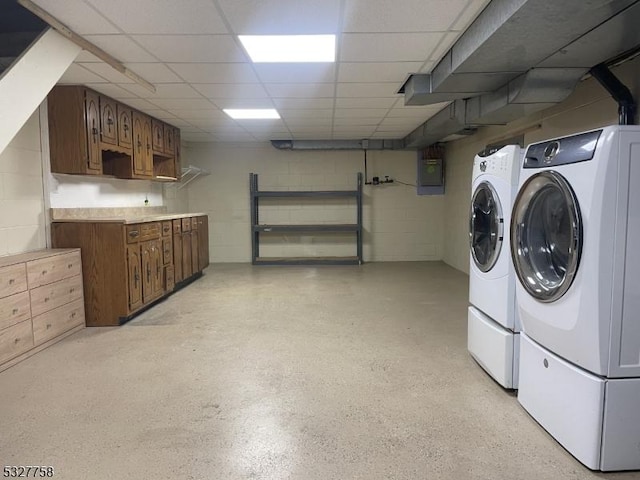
(41, 301)
(127, 266)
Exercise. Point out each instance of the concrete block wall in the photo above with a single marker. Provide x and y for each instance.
(399, 225)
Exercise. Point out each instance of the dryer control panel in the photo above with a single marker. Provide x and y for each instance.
(503, 163)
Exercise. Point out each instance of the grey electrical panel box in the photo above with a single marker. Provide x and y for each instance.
(430, 176)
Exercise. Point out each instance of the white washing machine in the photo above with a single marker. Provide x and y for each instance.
(575, 242)
(493, 327)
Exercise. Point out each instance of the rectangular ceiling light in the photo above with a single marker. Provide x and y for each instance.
(290, 48)
(251, 113)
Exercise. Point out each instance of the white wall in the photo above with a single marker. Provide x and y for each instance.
(588, 107)
(399, 225)
(22, 213)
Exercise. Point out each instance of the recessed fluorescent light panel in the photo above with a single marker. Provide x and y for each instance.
(290, 48)
(251, 113)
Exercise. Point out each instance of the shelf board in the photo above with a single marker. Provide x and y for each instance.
(319, 193)
(307, 261)
(323, 227)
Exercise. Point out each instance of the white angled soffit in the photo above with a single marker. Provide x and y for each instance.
(26, 83)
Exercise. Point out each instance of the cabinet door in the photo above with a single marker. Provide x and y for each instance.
(157, 279)
(142, 155)
(92, 116)
(177, 257)
(148, 137)
(135, 280)
(187, 266)
(125, 133)
(203, 241)
(147, 274)
(158, 136)
(178, 153)
(195, 265)
(108, 129)
(169, 145)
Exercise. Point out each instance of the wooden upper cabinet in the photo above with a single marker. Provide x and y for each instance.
(178, 158)
(92, 112)
(158, 136)
(142, 156)
(169, 141)
(125, 129)
(108, 128)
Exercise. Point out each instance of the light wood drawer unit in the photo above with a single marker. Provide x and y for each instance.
(57, 321)
(50, 309)
(13, 279)
(56, 294)
(52, 269)
(14, 309)
(15, 340)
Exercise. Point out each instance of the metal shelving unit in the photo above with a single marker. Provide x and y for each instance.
(257, 228)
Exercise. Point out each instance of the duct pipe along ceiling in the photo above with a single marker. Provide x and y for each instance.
(516, 58)
(519, 57)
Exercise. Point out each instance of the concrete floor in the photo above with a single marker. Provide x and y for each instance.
(280, 373)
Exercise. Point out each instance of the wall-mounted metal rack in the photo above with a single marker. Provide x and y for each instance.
(189, 174)
(257, 228)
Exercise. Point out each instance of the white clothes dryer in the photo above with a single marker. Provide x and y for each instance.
(493, 326)
(574, 240)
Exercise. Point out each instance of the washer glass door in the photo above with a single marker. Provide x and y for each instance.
(485, 227)
(546, 236)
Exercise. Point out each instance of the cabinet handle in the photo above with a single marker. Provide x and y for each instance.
(94, 130)
(148, 273)
(109, 121)
(16, 340)
(148, 147)
(48, 326)
(134, 233)
(46, 299)
(71, 290)
(69, 265)
(158, 271)
(73, 314)
(136, 277)
(15, 310)
(44, 272)
(12, 281)
(125, 127)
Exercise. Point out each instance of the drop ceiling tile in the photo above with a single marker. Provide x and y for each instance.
(215, 72)
(400, 121)
(300, 90)
(388, 47)
(307, 122)
(78, 16)
(309, 113)
(164, 91)
(190, 129)
(107, 72)
(344, 102)
(111, 90)
(389, 135)
(401, 110)
(261, 17)
(192, 48)
(262, 125)
(155, 112)
(121, 48)
(182, 103)
(199, 114)
(140, 104)
(376, 90)
(162, 16)
(77, 74)
(300, 73)
(222, 129)
(243, 103)
(198, 137)
(231, 90)
(356, 121)
(365, 72)
(154, 72)
(303, 103)
(405, 16)
(324, 131)
(469, 14)
(360, 112)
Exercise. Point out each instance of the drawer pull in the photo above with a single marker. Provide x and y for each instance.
(70, 265)
(71, 290)
(15, 310)
(16, 340)
(48, 326)
(12, 281)
(44, 272)
(73, 314)
(46, 299)
(134, 233)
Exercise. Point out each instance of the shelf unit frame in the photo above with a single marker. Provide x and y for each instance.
(257, 228)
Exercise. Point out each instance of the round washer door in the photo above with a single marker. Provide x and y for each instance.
(546, 236)
(485, 227)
